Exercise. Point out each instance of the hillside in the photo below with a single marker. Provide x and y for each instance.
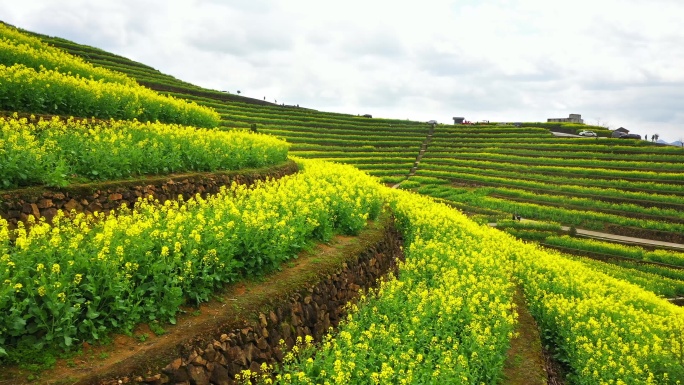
(79, 278)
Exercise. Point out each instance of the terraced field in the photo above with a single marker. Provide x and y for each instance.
(448, 315)
(621, 186)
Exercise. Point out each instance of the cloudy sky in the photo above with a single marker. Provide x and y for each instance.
(616, 62)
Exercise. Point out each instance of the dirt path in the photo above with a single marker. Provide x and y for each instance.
(627, 240)
(525, 364)
(620, 238)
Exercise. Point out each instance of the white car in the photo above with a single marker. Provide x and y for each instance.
(587, 133)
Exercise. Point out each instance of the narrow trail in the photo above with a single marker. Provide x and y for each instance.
(526, 362)
(628, 240)
(622, 239)
(423, 148)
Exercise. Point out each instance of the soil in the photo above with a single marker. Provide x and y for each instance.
(525, 361)
(144, 352)
(554, 370)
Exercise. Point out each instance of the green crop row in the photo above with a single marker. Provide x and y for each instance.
(528, 225)
(548, 140)
(561, 147)
(317, 123)
(344, 142)
(666, 163)
(639, 190)
(449, 131)
(570, 169)
(78, 49)
(370, 152)
(356, 132)
(588, 219)
(79, 278)
(436, 151)
(662, 271)
(56, 152)
(633, 252)
(246, 110)
(367, 149)
(590, 204)
(356, 138)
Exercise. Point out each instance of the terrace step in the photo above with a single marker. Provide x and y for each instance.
(257, 311)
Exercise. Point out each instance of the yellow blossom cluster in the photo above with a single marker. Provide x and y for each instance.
(608, 330)
(446, 318)
(38, 78)
(52, 151)
(19, 48)
(51, 92)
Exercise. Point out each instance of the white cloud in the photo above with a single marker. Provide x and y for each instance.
(510, 60)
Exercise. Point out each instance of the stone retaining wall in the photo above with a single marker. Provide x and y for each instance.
(310, 311)
(17, 205)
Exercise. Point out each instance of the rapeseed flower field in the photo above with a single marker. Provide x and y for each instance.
(56, 151)
(447, 317)
(77, 278)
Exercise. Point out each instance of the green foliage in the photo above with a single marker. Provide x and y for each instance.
(528, 225)
(409, 184)
(540, 212)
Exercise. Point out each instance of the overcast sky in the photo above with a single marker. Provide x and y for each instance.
(616, 62)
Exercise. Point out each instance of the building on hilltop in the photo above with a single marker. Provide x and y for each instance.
(623, 130)
(573, 118)
(458, 120)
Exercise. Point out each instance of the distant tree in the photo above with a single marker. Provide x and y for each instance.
(238, 92)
